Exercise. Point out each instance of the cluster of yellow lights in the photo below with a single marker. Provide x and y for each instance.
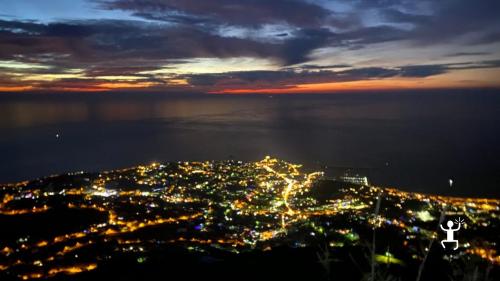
(487, 254)
(279, 182)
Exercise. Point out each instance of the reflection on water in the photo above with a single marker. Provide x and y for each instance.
(416, 141)
(32, 113)
(38, 112)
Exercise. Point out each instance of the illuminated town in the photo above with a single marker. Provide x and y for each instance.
(74, 224)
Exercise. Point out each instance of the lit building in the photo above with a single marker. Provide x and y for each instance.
(356, 179)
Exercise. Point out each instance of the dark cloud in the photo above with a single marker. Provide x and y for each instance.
(105, 40)
(244, 13)
(462, 54)
(296, 49)
(371, 35)
(475, 65)
(182, 42)
(167, 31)
(422, 70)
(118, 70)
(313, 66)
(287, 77)
(376, 3)
(476, 22)
(434, 22)
(290, 77)
(395, 15)
(194, 35)
(49, 29)
(488, 37)
(68, 30)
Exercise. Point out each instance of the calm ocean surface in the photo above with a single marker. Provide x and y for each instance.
(407, 140)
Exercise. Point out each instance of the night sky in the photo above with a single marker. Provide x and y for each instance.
(254, 46)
